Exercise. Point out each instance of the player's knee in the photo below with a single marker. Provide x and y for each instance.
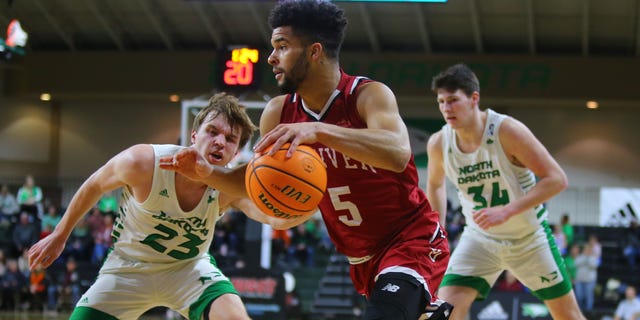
(226, 309)
(396, 296)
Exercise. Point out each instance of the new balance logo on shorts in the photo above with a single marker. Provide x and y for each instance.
(391, 288)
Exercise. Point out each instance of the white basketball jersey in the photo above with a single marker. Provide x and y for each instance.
(158, 230)
(486, 178)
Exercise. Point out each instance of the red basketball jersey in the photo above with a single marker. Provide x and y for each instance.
(364, 208)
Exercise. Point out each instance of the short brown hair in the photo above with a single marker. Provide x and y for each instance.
(230, 107)
(456, 77)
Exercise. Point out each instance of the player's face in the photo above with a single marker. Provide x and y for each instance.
(289, 59)
(456, 107)
(216, 140)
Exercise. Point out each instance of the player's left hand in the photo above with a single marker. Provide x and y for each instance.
(296, 133)
(187, 162)
(489, 217)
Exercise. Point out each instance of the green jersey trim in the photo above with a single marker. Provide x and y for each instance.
(82, 313)
(481, 285)
(563, 287)
(210, 294)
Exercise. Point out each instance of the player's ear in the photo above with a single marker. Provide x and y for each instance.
(316, 49)
(475, 97)
(193, 136)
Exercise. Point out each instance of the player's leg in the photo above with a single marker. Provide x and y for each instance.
(537, 263)
(564, 307)
(203, 292)
(461, 297)
(474, 266)
(226, 307)
(113, 297)
(396, 296)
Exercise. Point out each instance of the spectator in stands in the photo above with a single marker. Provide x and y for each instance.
(561, 239)
(596, 247)
(632, 247)
(302, 248)
(25, 234)
(23, 263)
(14, 286)
(108, 204)
(30, 198)
(586, 276)
(80, 244)
(567, 228)
(65, 287)
(280, 242)
(629, 308)
(95, 221)
(508, 282)
(9, 207)
(324, 241)
(3, 263)
(51, 219)
(102, 241)
(37, 288)
(570, 262)
(226, 239)
(45, 231)
(71, 288)
(455, 226)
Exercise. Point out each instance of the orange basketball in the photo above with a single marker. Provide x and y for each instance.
(286, 188)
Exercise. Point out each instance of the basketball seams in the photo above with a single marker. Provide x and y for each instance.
(275, 199)
(282, 188)
(287, 174)
(300, 149)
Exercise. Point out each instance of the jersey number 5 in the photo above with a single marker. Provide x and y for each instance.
(353, 219)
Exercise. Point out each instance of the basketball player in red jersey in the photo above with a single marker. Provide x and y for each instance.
(374, 210)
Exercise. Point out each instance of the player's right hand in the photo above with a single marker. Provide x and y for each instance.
(46, 251)
(187, 162)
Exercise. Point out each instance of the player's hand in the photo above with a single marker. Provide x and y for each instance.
(189, 163)
(296, 133)
(489, 217)
(46, 251)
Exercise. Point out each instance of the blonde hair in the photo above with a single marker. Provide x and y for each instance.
(234, 112)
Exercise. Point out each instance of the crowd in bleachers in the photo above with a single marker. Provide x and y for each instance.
(27, 216)
(290, 249)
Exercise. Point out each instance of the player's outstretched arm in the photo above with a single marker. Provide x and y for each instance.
(191, 164)
(436, 184)
(130, 167)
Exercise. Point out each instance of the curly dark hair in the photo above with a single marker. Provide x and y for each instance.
(312, 20)
(456, 77)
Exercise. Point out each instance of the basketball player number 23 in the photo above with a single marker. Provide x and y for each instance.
(353, 219)
(167, 234)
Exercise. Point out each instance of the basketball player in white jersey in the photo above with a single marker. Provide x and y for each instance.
(493, 160)
(164, 227)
